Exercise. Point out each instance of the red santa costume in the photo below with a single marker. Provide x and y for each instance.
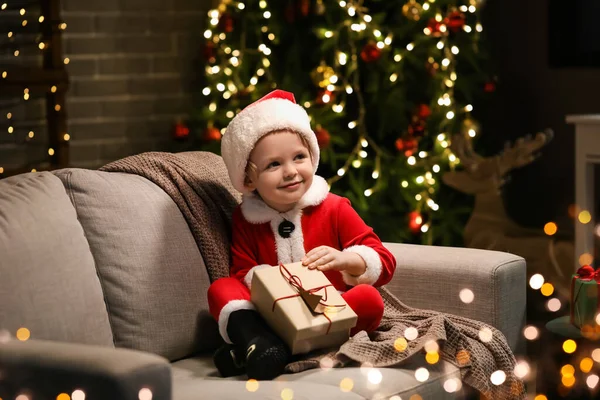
(264, 237)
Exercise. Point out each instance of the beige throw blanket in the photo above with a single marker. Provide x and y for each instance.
(199, 185)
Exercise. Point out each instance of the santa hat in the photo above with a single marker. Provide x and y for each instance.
(275, 111)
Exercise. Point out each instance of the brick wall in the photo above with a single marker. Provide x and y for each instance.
(131, 67)
(131, 64)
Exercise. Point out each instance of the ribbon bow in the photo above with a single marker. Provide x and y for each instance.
(587, 273)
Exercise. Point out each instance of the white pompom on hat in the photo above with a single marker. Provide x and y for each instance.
(274, 112)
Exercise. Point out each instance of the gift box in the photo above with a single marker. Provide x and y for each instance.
(585, 304)
(302, 307)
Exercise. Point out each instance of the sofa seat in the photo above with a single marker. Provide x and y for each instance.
(197, 375)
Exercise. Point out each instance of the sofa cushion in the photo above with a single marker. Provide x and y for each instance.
(48, 281)
(197, 375)
(194, 373)
(150, 268)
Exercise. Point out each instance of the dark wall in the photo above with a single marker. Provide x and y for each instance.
(532, 96)
(131, 67)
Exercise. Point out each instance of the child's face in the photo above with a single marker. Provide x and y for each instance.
(284, 170)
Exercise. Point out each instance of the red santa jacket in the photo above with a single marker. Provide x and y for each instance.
(320, 219)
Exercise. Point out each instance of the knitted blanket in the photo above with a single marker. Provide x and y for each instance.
(199, 185)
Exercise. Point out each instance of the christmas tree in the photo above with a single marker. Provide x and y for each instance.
(387, 86)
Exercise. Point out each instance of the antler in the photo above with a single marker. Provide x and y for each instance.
(486, 173)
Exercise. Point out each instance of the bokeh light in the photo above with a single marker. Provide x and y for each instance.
(78, 395)
(536, 281)
(63, 396)
(498, 377)
(596, 355)
(531, 332)
(592, 381)
(568, 380)
(432, 358)
(466, 296)
(550, 228)
(23, 334)
(586, 364)
(326, 363)
(346, 384)
(586, 259)
(252, 385)
(287, 394)
(485, 334)
(145, 394)
(375, 376)
(411, 333)
(522, 369)
(400, 344)
(540, 397)
(547, 289)
(569, 346)
(554, 305)
(421, 374)
(584, 217)
(452, 385)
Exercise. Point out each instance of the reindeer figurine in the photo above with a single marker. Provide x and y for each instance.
(489, 226)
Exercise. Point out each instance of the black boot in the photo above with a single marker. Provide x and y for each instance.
(230, 361)
(266, 355)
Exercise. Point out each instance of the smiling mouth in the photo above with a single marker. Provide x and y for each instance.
(291, 185)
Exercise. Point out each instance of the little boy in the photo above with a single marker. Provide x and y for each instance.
(287, 215)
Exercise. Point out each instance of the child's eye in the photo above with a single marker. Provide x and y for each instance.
(273, 165)
(300, 156)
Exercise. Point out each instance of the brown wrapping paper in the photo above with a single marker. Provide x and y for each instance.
(300, 328)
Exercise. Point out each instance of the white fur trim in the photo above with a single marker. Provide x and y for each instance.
(255, 121)
(256, 211)
(373, 262)
(250, 274)
(230, 307)
(289, 249)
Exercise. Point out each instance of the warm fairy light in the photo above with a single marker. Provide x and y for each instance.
(356, 163)
(410, 46)
(586, 259)
(51, 151)
(404, 184)
(53, 89)
(42, 45)
(287, 394)
(586, 364)
(536, 281)
(63, 396)
(450, 114)
(569, 346)
(411, 333)
(368, 192)
(454, 50)
(498, 377)
(522, 369)
(393, 77)
(397, 58)
(346, 384)
(436, 168)
(424, 228)
(486, 334)
(547, 289)
(10, 129)
(30, 134)
(400, 344)
(57, 107)
(78, 394)
(550, 228)
(63, 26)
(584, 217)
(554, 305)
(421, 374)
(252, 385)
(241, 6)
(568, 380)
(66, 137)
(540, 397)
(23, 334)
(67, 60)
(4, 5)
(452, 385)
(530, 333)
(411, 160)
(432, 358)
(375, 174)
(207, 33)
(145, 394)
(4, 74)
(592, 381)
(341, 172)
(374, 376)
(466, 296)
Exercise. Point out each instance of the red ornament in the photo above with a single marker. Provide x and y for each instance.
(455, 21)
(370, 52)
(211, 134)
(304, 7)
(226, 23)
(181, 131)
(434, 26)
(414, 222)
(408, 146)
(323, 137)
(325, 97)
(417, 128)
(489, 87)
(209, 52)
(423, 111)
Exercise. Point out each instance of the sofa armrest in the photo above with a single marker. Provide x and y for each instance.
(44, 369)
(431, 277)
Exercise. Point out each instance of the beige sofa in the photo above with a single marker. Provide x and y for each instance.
(103, 273)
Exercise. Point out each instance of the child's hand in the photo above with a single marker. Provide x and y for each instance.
(325, 258)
